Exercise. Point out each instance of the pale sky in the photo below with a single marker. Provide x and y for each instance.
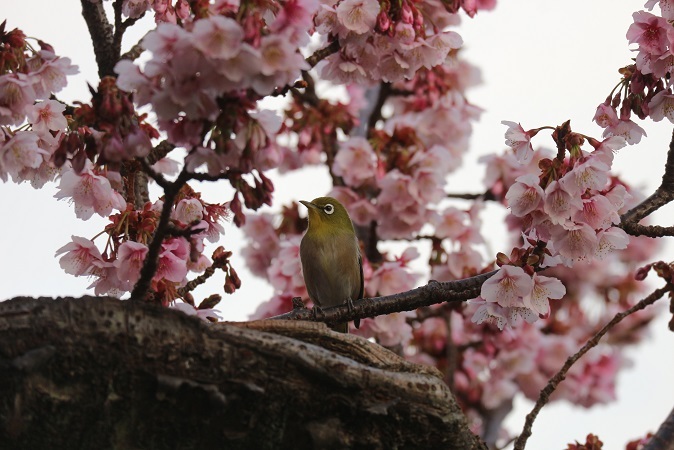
(542, 62)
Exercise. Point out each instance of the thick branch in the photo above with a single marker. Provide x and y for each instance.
(433, 293)
(102, 37)
(544, 396)
(101, 373)
(663, 439)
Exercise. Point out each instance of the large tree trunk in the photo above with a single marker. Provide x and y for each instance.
(103, 373)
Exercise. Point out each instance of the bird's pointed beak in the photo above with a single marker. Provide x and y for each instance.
(309, 205)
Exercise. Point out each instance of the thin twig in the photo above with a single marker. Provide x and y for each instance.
(433, 293)
(544, 396)
(323, 53)
(201, 279)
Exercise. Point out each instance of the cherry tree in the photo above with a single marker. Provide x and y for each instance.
(228, 92)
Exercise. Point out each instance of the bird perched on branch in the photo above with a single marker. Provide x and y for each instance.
(330, 254)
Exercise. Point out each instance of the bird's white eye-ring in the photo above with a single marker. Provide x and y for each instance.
(329, 209)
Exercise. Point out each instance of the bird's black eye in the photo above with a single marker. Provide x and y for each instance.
(329, 209)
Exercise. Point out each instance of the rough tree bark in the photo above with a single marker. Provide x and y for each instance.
(104, 373)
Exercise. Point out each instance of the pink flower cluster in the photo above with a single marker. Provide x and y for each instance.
(117, 270)
(27, 77)
(571, 206)
(508, 363)
(646, 88)
(195, 64)
(379, 42)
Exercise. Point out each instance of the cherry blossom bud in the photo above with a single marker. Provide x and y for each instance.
(45, 46)
(406, 14)
(383, 21)
(235, 207)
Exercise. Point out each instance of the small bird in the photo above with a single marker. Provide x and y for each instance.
(330, 255)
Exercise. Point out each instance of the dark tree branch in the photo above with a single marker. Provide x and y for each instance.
(156, 176)
(663, 439)
(433, 293)
(102, 37)
(140, 290)
(544, 396)
(663, 195)
(133, 53)
(376, 115)
(201, 279)
(652, 231)
(208, 177)
(121, 25)
(323, 53)
(160, 151)
(488, 196)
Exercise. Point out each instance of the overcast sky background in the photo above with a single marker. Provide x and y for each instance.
(542, 62)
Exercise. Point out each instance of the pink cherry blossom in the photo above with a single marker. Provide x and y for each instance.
(130, 258)
(21, 152)
(545, 288)
(355, 162)
(106, 281)
(650, 32)
(135, 8)
(16, 94)
(575, 241)
(278, 304)
(606, 116)
(285, 271)
(361, 209)
(47, 115)
(392, 277)
(50, 76)
(217, 37)
(591, 173)
(519, 140)
(666, 8)
(489, 312)
(397, 190)
(559, 203)
(661, 106)
(507, 286)
(78, 256)
(91, 193)
(598, 212)
(607, 148)
(172, 264)
(612, 239)
(295, 18)
(626, 128)
(451, 223)
(390, 330)
(359, 16)
(618, 196)
(525, 195)
(188, 210)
